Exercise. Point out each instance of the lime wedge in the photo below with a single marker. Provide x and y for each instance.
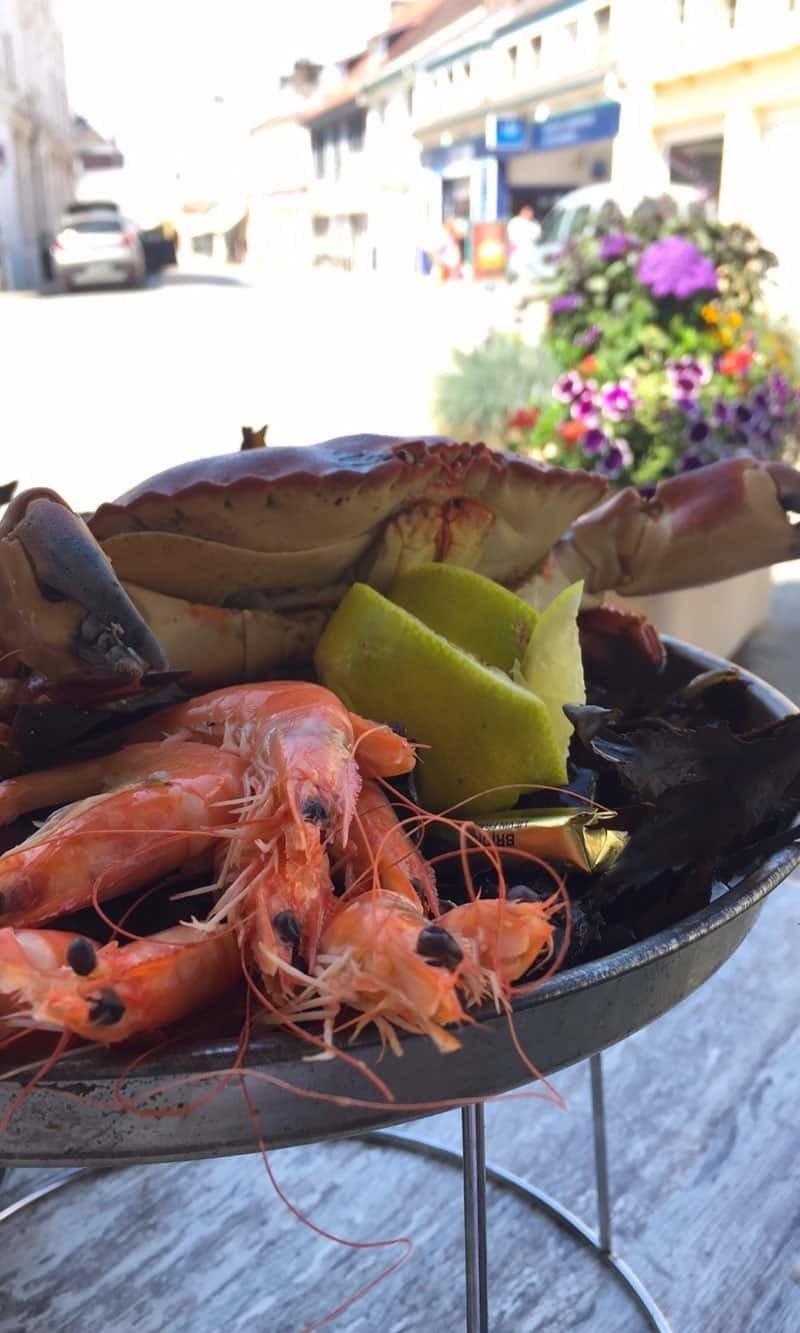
(483, 730)
(553, 667)
(469, 610)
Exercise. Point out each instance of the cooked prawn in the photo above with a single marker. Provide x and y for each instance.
(381, 854)
(63, 981)
(300, 743)
(163, 811)
(500, 939)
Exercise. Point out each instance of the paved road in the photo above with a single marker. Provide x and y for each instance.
(100, 389)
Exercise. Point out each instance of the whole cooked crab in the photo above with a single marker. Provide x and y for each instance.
(228, 567)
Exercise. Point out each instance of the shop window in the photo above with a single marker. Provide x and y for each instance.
(536, 50)
(512, 61)
(698, 163)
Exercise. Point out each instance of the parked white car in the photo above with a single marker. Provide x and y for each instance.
(575, 212)
(97, 247)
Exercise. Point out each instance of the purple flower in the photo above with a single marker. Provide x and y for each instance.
(743, 414)
(647, 491)
(685, 377)
(675, 267)
(567, 387)
(615, 244)
(721, 411)
(594, 440)
(618, 399)
(584, 406)
(690, 460)
(589, 336)
(617, 456)
(564, 305)
(699, 431)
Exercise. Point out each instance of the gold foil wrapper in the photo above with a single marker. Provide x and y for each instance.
(579, 838)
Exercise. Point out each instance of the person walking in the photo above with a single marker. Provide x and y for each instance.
(524, 233)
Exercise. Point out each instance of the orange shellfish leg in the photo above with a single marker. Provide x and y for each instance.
(381, 853)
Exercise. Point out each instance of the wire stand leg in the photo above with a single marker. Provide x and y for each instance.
(473, 1159)
(600, 1156)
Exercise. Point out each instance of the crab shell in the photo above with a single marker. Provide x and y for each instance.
(230, 567)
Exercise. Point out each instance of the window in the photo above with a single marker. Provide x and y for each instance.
(467, 69)
(602, 18)
(451, 74)
(356, 126)
(512, 61)
(579, 220)
(410, 100)
(320, 226)
(318, 152)
(94, 226)
(536, 50)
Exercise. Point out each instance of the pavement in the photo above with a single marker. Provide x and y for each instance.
(103, 388)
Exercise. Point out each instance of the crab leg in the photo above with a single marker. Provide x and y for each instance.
(721, 520)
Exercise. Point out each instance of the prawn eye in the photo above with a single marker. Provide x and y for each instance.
(82, 956)
(287, 928)
(439, 947)
(314, 811)
(106, 1008)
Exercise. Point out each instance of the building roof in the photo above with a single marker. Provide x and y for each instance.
(382, 49)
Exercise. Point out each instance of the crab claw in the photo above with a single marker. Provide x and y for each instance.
(721, 520)
(62, 608)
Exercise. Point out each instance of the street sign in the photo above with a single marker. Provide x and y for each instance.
(506, 134)
(576, 127)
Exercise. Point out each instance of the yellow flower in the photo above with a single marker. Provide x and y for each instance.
(550, 451)
(726, 337)
(734, 318)
(710, 314)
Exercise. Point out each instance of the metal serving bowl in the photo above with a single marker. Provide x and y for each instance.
(577, 1013)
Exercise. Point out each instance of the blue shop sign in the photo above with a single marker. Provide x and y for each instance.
(576, 127)
(466, 150)
(506, 134)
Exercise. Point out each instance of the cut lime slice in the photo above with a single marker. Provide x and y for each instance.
(482, 729)
(469, 610)
(553, 667)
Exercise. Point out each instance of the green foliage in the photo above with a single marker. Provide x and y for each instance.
(474, 401)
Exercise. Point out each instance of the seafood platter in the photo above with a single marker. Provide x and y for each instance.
(333, 793)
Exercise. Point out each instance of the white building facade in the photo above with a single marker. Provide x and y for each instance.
(36, 161)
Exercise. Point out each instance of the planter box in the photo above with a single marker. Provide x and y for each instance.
(717, 618)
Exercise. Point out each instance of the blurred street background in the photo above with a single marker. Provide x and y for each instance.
(327, 206)
(388, 216)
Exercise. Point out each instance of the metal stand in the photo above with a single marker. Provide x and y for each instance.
(472, 1161)
(475, 1172)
